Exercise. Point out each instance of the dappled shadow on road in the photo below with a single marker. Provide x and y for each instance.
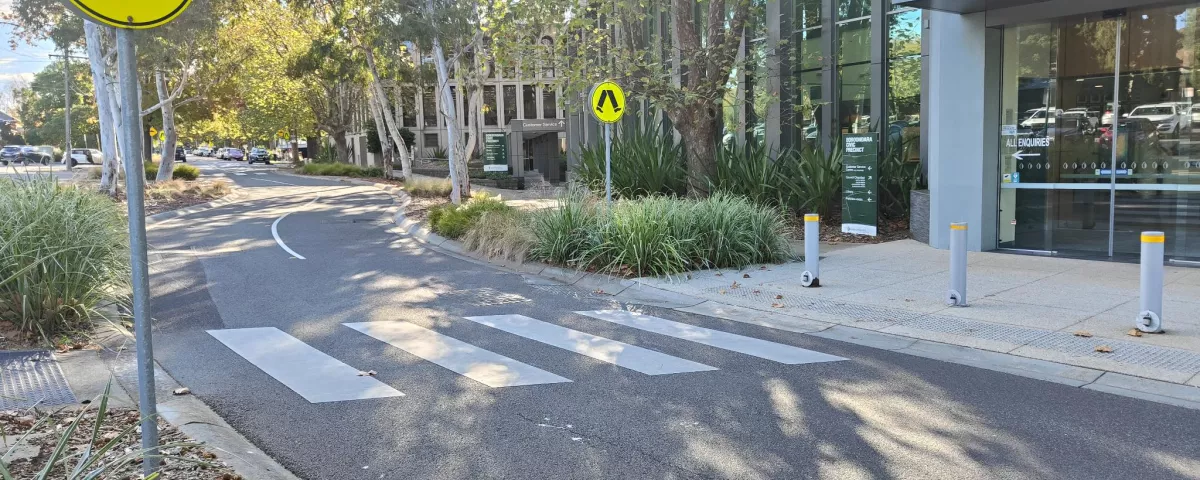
(878, 415)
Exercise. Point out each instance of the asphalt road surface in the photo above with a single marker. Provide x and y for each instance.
(268, 309)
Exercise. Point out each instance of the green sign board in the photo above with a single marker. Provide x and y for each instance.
(495, 152)
(860, 184)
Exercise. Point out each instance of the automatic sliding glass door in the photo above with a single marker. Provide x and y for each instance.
(1079, 92)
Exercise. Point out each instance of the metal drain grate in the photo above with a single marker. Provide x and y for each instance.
(972, 329)
(1124, 352)
(32, 378)
(765, 297)
(486, 297)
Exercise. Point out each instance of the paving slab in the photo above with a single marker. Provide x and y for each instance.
(757, 317)
(1147, 389)
(1026, 367)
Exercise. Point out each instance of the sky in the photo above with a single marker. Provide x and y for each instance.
(23, 62)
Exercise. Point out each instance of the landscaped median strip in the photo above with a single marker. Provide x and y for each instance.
(637, 291)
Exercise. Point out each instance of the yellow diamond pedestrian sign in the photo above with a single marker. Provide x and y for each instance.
(153, 132)
(131, 14)
(608, 102)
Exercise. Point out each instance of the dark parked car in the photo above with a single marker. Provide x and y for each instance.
(181, 154)
(234, 154)
(9, 154)
(259, 154)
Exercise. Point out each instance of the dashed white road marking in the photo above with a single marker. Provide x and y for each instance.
(617, 353)
(307, 371)
(483, 366)
(777, 352)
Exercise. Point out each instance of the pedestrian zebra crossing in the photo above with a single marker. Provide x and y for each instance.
(318, 377)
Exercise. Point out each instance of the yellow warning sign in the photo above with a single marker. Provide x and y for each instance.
(132, 14)
(608, 102)
(153, 132)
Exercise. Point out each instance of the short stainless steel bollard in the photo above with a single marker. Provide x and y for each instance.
(812, 251)
(1150, 318)
(957, 296)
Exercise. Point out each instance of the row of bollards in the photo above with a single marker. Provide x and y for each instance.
(1149, 318)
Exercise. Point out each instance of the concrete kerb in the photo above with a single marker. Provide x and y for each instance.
(637, 292)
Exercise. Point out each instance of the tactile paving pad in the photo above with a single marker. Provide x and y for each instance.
(32, 378)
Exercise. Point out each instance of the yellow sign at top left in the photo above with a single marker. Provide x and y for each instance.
(131, 14)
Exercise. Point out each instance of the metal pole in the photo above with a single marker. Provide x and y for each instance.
(608, 163)
(67, 97)
(957, 296)
(1153, 247)
(135, 178)
(812, 251)
(1116, 120)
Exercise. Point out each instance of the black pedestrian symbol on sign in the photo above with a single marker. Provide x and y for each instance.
(611, 97)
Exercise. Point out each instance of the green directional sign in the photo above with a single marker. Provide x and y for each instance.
(495, 152)
(860, 184)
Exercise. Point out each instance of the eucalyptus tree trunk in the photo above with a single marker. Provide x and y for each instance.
(373, 100)
(166, 165)
(389, 117)
(449, 112)
(105, 108)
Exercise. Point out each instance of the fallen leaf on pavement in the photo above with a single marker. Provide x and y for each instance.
(1104, 349)
(723, 292)
(368, 373)
(598, 292)
(181, 391)
(735, 285)
(776, 305)
(779, 297)
(719, 274)
(757, 291)
(1134, 332)
(1084, 334)
(764, 267)
(745, 275)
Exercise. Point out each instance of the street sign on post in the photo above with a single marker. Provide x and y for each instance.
(608, 106)
(128, 15)
(153, 132)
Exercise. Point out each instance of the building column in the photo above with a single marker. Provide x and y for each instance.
(879, 54)
(828, 126)
(779, 84)
(959, 124)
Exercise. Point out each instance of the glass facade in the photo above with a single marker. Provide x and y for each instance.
(1097, 144)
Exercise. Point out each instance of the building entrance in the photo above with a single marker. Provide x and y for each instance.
(1100, 133)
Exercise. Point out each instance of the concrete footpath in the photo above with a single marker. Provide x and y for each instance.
(1059, 310)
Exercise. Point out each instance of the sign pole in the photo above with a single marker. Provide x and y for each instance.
(135, 179)
(608, 163)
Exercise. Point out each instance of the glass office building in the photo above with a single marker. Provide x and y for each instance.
(1063, 127)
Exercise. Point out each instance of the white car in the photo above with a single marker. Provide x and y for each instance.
(1194, 113)
(1168, 118)
(1040, 118)
(86, 155)
(221, 153)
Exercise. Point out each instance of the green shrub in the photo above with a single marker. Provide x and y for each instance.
(817, 180)
(660, 235)
(151, 170)
(440, 153)
(503, 234)
(564, 233)
(749, 170)
(340, 170)
(185, 172)
(644, 162)
(899, 175)
(453, 221)
(63, 250)
(428, 188)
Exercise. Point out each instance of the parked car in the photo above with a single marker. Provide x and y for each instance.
(9, 154)
(180, 154)
(1140, 130)
(1040, 118)
(201, 151)
(43, 155)
(88, 155)
(234, 154)
(1087, 116)
(1194, 113)
(222, 153)
(258, 154)
(1168, 118)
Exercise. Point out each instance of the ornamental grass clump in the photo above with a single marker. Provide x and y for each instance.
(63, 251)
(660, 235)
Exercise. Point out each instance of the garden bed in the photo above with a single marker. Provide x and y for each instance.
(185, 460)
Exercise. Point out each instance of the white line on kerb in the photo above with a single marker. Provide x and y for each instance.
(275, 232)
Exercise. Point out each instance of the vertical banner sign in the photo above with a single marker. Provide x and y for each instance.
(495, 152)
(860, 184)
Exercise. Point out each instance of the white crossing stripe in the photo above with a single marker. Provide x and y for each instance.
(488, 368)
(714, 338)
(260, 173)
(240, 174)
(314, 375)
(621, 354)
